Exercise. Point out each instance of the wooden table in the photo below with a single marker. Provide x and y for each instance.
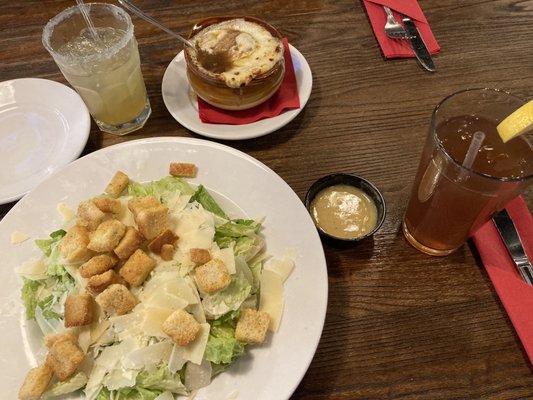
(399, 324)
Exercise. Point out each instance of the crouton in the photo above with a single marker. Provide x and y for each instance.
(165, 237)
(137, 268)
(182, 169)
(118, 183)
(89, 215)
(98, 283)
(152, 221)
(108, 204)
(97, 265)
(78, 310)
(74, 245)
(200, 256)
(167, 252)
(212, 276)
(181, 327)
(69, 334)
(116, 300)
(107, 236)
(64, 357)
(252, 326)
(137, 204)
(130, 242)
(35, 383)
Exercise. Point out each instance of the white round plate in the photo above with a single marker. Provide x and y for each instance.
(43, 126)
(269, 371)
(182, 103)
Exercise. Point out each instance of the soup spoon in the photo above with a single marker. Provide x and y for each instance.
(216, 62)
(133, 8)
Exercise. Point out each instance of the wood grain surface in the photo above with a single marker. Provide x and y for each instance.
(399, 325)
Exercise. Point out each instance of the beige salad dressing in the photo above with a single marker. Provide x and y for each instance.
(344, 211)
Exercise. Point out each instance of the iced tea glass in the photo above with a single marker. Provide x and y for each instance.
(103, 64)
(449, 201)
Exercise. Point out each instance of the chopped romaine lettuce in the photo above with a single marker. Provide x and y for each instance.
(46, 306)
(104, 394)
(46, 244)
(72, 384)
(229, 299)
(162, 189)
(237, 228)
(48, 326)
(203, 197)
(161, 379)
(256, 267)
(244, 246)
(165, 396)
(222, 347)
(48, 294)
(242, 236)
(29, 296)
(148, 386)
(136, 393)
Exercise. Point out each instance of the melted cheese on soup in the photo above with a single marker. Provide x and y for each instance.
(250, 48)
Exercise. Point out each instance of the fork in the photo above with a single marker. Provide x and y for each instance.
(393, 28)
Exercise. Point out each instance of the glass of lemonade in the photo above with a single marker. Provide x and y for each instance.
(449, 201)
(102, 64)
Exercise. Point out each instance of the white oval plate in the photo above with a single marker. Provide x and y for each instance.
(43, 126)
(182, 103)
(270, 371)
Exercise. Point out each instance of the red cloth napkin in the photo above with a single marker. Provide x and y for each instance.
(286, 98)
(514, 293)
(405, 8)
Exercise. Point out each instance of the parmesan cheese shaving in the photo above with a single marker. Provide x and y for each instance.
(65, 212)
(153, 319)
(195, 228)
(148, 357)
(281, 266)
(271, 298)
(194, 352)
(19, 237)
(226, 255)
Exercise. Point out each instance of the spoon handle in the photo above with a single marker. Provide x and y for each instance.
(134, 9)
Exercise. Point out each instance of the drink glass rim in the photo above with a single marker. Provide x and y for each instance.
(70, 11)
(441, 147)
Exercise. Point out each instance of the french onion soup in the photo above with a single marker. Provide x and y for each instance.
(238, 62)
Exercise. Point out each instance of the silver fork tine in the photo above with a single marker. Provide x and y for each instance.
(390, 17)
(393, 28)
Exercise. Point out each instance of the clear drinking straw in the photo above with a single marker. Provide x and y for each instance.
(477, 139)
(88, 21)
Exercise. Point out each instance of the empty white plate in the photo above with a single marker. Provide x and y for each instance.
(44, 125)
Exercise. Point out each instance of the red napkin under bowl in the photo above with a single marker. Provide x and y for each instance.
(393, 48)
(515, 295)
(286, 98)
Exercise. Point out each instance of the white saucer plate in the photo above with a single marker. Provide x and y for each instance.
(182, 103)
(44, 125)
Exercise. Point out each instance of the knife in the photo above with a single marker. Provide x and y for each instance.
(418, 45)
(511, 238)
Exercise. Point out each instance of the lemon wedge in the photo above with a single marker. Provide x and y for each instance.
(517, 123)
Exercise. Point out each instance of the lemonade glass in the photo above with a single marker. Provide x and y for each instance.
(103, 64)
(449, 200)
